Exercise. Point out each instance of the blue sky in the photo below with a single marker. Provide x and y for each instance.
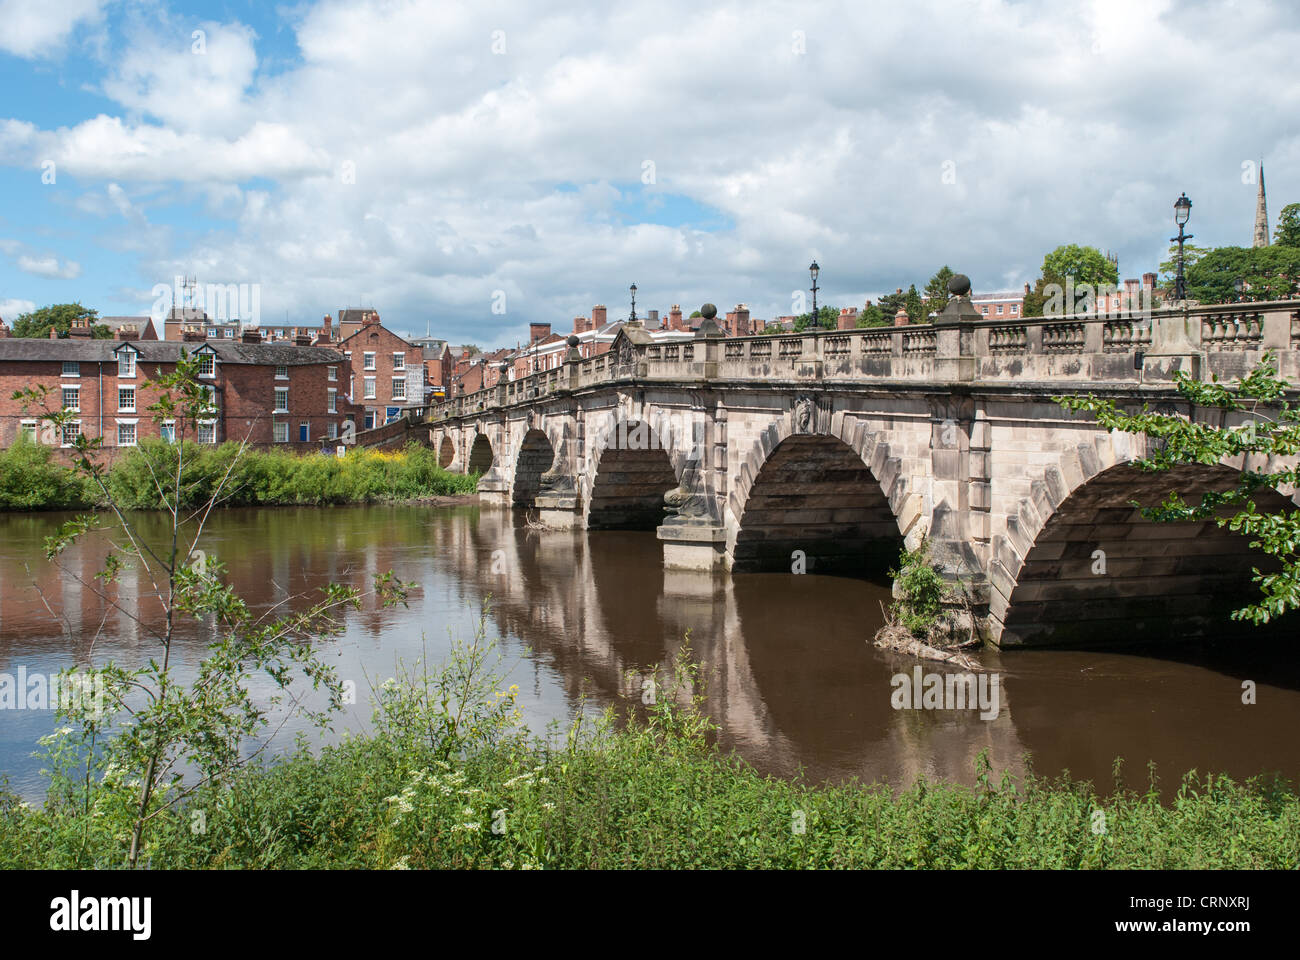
(429, 158)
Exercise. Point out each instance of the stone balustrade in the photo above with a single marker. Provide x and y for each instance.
(1223, 340)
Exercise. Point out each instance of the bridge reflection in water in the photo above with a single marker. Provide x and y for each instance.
(791, 678)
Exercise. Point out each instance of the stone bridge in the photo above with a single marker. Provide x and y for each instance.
(826, 451)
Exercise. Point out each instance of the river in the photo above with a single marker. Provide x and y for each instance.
(792, 680)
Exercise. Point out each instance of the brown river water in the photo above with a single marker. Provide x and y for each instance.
(792, 680)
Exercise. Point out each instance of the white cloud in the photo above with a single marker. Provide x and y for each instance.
(35, 28)
(49, 267)
(979, 135)
(11, 309)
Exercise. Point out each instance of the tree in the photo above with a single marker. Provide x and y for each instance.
(60, 317)
(130, 733)
(936, 291)
(1266, 273)
(912, 304)
(1169, 268)
(1270, 434)
(873, 316)
(1287, 231)
(827, 319)
(1083, 264)
(695, 313)
(890, 304)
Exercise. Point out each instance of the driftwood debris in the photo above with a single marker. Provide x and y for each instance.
(896, 637)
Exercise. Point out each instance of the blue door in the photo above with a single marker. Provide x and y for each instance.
(302, 432)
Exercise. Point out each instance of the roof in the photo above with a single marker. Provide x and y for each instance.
(162, 351)
(1013, 295)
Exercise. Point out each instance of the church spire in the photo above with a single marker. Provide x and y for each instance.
(1261, 213)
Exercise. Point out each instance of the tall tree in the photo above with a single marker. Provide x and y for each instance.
(916, 312)
(1287, 232)
(58, 316)
(936, 291)
(890, 303)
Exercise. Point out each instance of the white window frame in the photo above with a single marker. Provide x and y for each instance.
(135, 433)
(368, 360)
(333, 430)
(281, 371)
(399, 381)
(126, 365)
(77, 407)
(399, 359)
(208, 359)
(76, 368)
(29, 427)
(368, 388)
(332, 401)
(63, 432)
(131, 408)
(332, 373)
(279, 407)
(163, 427)
(279, 427)
(205, 425)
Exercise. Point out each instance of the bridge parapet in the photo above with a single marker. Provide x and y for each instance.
(1093, 349)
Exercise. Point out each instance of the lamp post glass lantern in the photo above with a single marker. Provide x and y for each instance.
(1182, 213)
(813, 269)
(633, 289)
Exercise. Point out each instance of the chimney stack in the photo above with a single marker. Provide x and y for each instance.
(4, 328)
(126, 332)
(598, 316)
(675, 318)
(538, 331)
(848, 319)
(251, 335)
(900, 318)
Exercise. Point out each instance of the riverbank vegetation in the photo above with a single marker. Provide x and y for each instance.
(449, 779)
(33, 478)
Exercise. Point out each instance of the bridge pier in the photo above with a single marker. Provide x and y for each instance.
(689, 546)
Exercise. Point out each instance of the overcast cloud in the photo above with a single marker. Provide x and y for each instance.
(504, 146)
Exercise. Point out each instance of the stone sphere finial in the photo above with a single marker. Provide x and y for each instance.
(959, 284)
(573, 340)
(708, 311)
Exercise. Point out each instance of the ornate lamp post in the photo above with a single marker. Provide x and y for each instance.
(1182, 213)
(632, 319)
(814, 270)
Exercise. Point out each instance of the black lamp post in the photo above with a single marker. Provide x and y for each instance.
(814, 270)
(1182, 213)
(632, 319)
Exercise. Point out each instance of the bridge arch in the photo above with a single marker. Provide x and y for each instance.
(831, 493)
(480, 454)
(1080, 565)
(446, 452)
(536, 456)
(632, 469)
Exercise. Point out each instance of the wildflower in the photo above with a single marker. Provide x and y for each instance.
(402, 864)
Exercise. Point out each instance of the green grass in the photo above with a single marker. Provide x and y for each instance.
(31, 478)
(647, 795)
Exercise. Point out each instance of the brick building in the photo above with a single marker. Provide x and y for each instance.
(267, 393)
(383, 374)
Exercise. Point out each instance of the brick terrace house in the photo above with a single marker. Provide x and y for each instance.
(267, 393)
(383, 374)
